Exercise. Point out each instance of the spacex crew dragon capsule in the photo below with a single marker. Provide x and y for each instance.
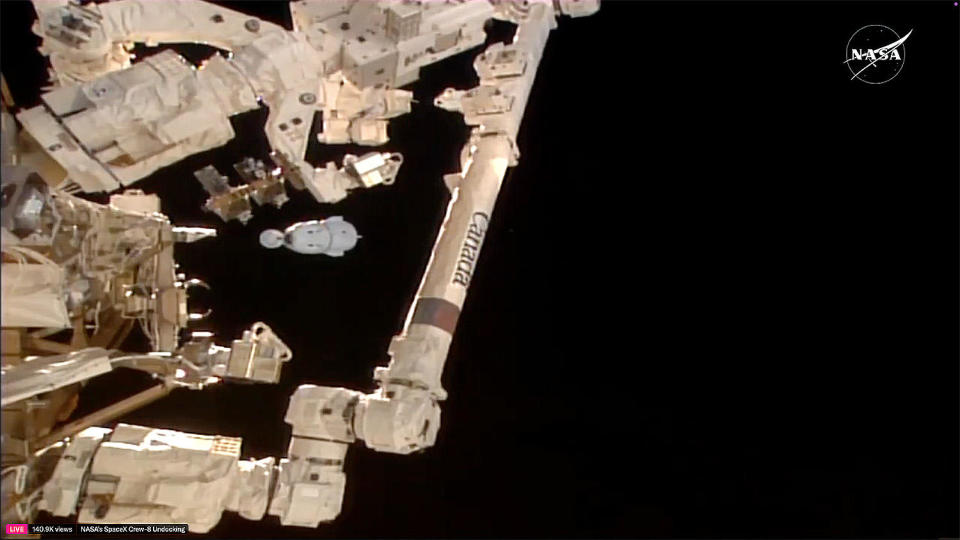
(332, 236)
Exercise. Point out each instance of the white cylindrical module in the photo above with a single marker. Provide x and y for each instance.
(419, 353)
(455, 253)
(454, 258)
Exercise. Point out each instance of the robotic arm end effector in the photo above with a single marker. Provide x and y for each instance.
(399, 420)
(325, 421)
(310, 480)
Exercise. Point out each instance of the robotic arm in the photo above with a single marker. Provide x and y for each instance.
(403, 415)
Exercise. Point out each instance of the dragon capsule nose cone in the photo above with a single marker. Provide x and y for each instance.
(271, 239)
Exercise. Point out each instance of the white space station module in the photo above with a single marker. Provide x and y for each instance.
(95, 270)
(332, 236)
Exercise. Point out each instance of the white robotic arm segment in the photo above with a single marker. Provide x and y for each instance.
(406, 422)
(322, 413)
(403, 415)
(85, 42)
(310, 480)
(250, 494)
(287, 73)
(325, 421)
(229, 86)
(279, 62)
(288, 131)
(181, 21)
(310, 484)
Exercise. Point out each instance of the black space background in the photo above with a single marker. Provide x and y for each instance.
(718, 297)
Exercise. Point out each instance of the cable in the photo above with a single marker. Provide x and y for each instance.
(21, 254)
(20, 482)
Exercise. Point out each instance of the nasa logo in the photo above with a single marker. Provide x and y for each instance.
(875, 54)
(471, 248)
